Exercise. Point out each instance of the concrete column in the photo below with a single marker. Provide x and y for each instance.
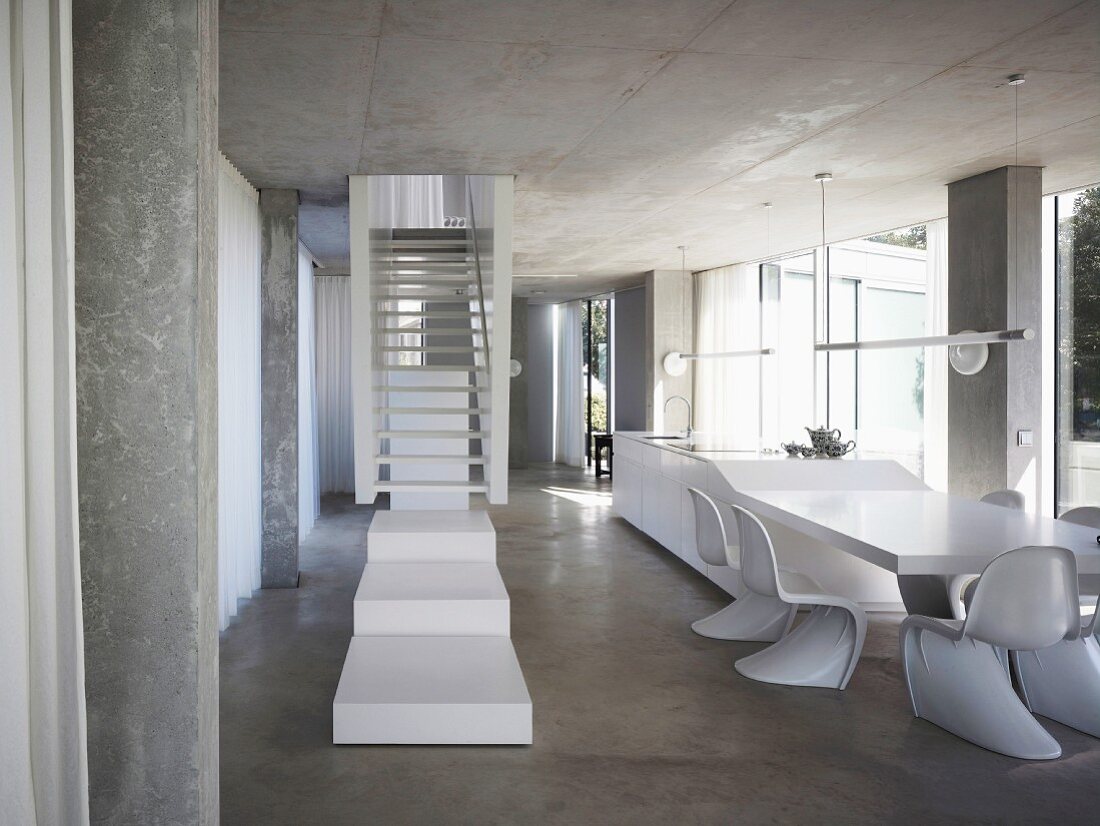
(517, 401)
(995, 282)
(279, 386)
(145, 127)
(669, 325)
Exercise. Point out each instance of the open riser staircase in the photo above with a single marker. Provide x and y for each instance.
(431, 368)
(431, 659)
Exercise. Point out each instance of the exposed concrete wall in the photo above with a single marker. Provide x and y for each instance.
(517, 401)
(669, 325)
(995, 233)
(279, 386)
(146, 357)
(628, 372)
(540, 383)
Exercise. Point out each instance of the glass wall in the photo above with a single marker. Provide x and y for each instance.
(595, 326)
(1077, 392)
(880, 287)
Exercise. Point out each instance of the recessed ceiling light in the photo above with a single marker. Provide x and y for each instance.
(538, 292)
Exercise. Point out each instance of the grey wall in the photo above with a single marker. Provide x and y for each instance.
(986, 411)
(540, 383)
(628, 370)
(669, 326)
(517, 399)
(279, 386)
(145, 123)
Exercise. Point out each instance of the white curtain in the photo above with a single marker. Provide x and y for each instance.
(727, 391)
(309, 498)
(335, 448)
(406, 201)
(935, 359)
(43, 753)
(239, 476)
(568, 385)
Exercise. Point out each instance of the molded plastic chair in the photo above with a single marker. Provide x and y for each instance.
(752, 617)
(1025, 600)
(957, 585)
(1062, 682)
(824, 649)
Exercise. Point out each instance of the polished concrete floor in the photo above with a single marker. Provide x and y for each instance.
(637, 720)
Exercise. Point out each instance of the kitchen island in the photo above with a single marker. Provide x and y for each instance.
(650, 490)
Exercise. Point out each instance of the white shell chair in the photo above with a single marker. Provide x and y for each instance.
(1063, 682)
(957, 585)
(751, 617)
(1026, 599)
(824, 649)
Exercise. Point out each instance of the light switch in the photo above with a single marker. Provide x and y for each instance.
(1024, 438)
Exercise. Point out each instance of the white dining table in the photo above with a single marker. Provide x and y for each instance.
(922, 536)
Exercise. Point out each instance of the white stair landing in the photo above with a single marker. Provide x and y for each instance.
(431, 691)
(431, 536)
(435, 599)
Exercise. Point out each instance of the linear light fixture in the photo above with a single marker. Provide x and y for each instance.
(544, 275)
(969, 349)
(675, 364)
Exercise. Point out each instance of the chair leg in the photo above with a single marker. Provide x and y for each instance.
(962, 687)
(1063, 682)
(821, 652)
(752, 617)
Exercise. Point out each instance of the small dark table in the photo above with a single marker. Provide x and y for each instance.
(600, 441)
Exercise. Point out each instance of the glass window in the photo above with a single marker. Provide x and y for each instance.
(595, 320)
(1077, 393)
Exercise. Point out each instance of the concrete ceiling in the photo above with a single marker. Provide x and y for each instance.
(634, 126)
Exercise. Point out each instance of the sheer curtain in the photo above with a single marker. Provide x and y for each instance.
(239, 480)
(309, 498)
(43, 752)
(568, 385)
(935, 359)
(335, 449)
(727, 391)
(406, 201)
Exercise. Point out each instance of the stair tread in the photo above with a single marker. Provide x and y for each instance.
(432, 434)
(438, 487)
(390, 388)
(427, 458)
(429, 313)
(427, 331)
(435, 411)
(432, 348)
(446, 368)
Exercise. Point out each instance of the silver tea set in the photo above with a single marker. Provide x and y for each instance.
(825, 443)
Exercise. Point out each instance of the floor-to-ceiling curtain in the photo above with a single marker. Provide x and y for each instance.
(335, 447)
(935, 358)
(309, 498)
(239, 477)
(43, 752)
(568, 385)
(727, 390)
(406, 201)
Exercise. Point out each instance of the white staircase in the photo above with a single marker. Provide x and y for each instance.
(431, 659)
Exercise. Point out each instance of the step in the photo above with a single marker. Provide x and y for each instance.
(428, 331)
(429, 313)
(431, 348)
(448, 368)
(393, 388)
(390, 486)
(431, 459)
(432, 434)
(431, 691)
(431, 536)
(411, 283)
(435, 411)
(434, 298)
(431, 599)
(426, 257)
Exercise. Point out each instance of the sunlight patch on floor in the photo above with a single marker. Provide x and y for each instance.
(581, 497)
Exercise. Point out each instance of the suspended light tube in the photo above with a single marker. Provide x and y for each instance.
(675, 364)
(995, 337)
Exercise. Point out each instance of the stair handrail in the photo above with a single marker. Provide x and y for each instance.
(480, 284)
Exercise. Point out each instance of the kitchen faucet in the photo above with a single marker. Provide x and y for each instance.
(685, 401)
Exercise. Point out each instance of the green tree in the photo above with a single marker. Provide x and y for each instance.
(913, 237)
(1079, 277)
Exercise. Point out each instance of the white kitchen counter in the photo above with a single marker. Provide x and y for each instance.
(649, 490)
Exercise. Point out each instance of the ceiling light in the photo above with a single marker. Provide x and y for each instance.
(1016, 80)
(544, 275)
